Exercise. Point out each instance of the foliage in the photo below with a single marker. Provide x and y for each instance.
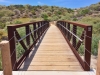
(2, 25)
(6, 12)
(70, 10)
(95, 7)
(3, 34)
(83, 12)
(45, 17)
(23, 20)
(17, 22)
(95, 22)
(75, 19)
(95, 41)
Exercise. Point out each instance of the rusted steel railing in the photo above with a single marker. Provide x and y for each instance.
(79, 38)
(31, 34)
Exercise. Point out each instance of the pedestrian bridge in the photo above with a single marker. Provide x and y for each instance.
(50, 46)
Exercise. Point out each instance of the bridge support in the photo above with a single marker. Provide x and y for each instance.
(6, 59)
(98, 62)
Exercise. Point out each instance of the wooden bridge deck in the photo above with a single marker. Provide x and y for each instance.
(52, 53)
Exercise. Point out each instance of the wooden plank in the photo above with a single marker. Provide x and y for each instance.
(53, 47)
(54, 44)
(53, 54)
(66, 59)
(51, 63)
(54, 51)
(57, 68)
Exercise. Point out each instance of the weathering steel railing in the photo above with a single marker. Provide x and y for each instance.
(25, 36)
(78, 37)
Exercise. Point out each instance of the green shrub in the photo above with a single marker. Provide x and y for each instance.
(6, 12)
(3, 34)
(75, 19)
(17, 22)
(95, 42)
(45, 17)
(2, 25)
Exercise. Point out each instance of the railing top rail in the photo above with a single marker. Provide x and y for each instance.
(25, 24)
(78, 24)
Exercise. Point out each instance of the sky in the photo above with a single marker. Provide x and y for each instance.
(60, 3)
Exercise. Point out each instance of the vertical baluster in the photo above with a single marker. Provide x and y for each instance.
(74, 38)
(62, 27)
(88, 38)
(65, 27)
(68, 26)
(41, 28)
(28, 37)
(67, 30)
(45, 25)
(59, 26)
(34, 28)
(79, 42)
(12, 47)
(38, 29)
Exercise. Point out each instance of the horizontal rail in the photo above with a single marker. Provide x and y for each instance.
(22, 25)
(77, 24)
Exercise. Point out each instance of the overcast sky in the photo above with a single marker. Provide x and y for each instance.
(61, 3)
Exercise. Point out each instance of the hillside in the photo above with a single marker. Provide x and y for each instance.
(92, 10)
(17, 14)
(8, 13)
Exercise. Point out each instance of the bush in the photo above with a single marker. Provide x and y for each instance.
(85, 11)
(45, 17)
(75, 19)
(17, 22)
(53, 18)
(95, 41)
(5, 19)
(3, 34)
(2, 25)
(6, 12)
